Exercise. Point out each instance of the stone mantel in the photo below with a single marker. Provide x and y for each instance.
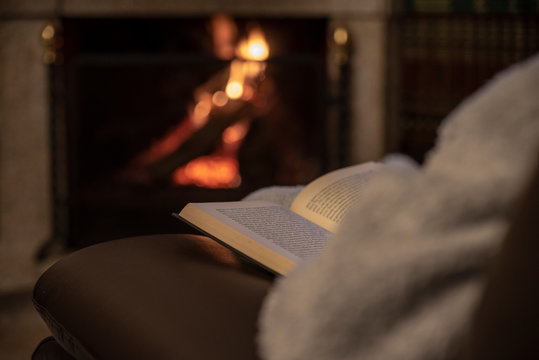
(99, 8)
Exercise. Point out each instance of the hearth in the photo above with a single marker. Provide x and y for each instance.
(145, 118)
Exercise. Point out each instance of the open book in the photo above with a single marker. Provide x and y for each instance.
(277, 237)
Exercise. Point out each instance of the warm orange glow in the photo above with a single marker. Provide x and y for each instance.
(234, 87)
(219, 98)
(224, 34)
(253, 68)
(202, 110)
(170, 142)
(248, 93)
(209, 171)
(235, 133)
(255, 47)
(221, 168)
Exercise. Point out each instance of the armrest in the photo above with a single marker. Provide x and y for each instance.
(152, 297)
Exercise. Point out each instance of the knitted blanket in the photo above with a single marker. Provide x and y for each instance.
(402, 274)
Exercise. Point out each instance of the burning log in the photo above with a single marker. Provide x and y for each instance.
(201, 142)
(224, 100)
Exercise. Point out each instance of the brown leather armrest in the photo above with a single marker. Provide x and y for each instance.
(153, 297)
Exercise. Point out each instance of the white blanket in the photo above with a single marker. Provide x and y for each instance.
(402, 274)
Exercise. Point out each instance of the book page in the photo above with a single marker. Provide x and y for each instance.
(258, 229)
(326, 200)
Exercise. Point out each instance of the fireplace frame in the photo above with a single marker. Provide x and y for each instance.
(74, 209)
(26, 203)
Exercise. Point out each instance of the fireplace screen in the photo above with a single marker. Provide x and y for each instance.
(150, 114)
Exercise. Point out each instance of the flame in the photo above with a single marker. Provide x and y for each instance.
(224, 34)
(209, 171)
(202, 110)
(166, 145)
(219, 98)
(235, 133)
(254, 50)
(234, 87)
(221, 168)
(253, 68)
(248, 93)
(255, 47)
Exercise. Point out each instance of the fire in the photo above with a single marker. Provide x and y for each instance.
(248, 93)
(235, 133)
(253, 68)
(254, 50)
(167, 144)
(255, 47)
(209, 171)
(222, 171)
(202, 110)
(219, 98)
(234, 87)
(221, 168)
(224, 34)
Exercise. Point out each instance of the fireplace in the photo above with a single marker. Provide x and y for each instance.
(396, 52)
(143, 121)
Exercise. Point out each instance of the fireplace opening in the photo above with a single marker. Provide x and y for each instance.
(149, 114)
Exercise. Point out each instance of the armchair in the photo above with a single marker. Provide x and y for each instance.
(186, 297)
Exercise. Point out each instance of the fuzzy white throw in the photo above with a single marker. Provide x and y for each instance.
(403, 273)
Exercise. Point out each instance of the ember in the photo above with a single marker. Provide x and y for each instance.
(213, 100)
(209, 171)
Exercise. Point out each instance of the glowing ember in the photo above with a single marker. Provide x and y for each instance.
(219, 98)
(217, 171)
(221, 168)
(224, 34)
(209, 171)
(235, 133)
(253, 68)
(167, 144)
(248, 93)
(234, 87)
(255, 47)
(200, 114)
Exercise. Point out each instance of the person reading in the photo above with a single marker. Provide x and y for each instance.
(400, 277)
